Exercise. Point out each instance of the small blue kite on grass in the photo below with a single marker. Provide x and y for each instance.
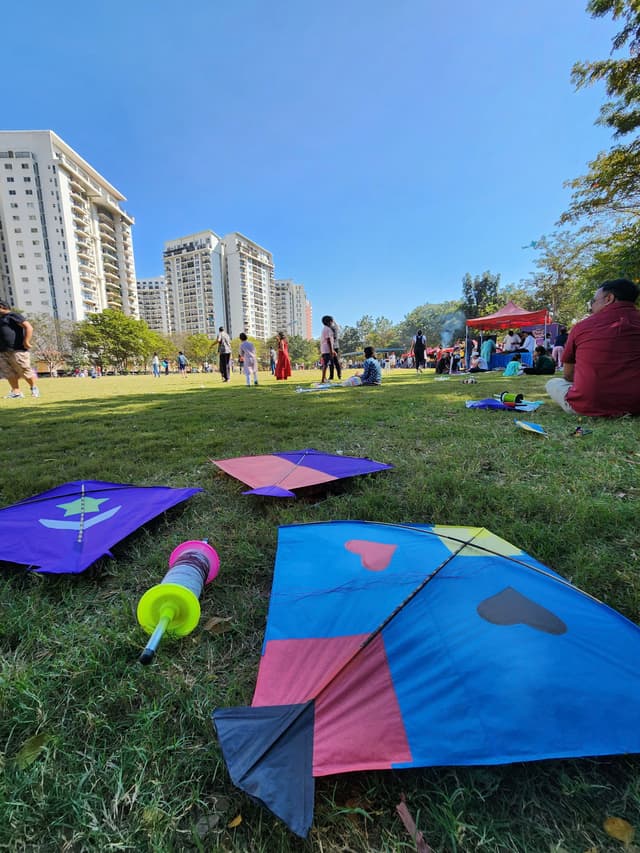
(530, 427)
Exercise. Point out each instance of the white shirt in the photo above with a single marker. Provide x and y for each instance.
(326, 339)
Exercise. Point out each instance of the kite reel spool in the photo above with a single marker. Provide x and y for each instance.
(173, 605)
(510, 399)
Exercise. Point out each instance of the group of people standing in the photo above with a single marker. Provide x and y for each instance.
(280, 364)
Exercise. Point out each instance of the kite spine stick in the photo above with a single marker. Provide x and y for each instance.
(82, 511)
(383, 625)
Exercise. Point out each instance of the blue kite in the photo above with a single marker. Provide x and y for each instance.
(402, 646)
(65, 530)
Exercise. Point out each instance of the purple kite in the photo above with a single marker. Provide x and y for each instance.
(65, 530)
(268, 475)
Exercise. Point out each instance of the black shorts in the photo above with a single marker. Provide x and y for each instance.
(326, 358)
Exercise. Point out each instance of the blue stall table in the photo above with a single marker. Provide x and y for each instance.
(499, 360)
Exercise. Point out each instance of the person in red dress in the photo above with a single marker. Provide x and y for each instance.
(283, 365)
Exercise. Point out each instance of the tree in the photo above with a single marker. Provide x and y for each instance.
(384, 333)
(480, 294)
(51, 340)
(350, 340)
(113, 338)
(365, 327)
(198, 347)
(439, 323)
(302, 351)
(612, 185)
(560, 282)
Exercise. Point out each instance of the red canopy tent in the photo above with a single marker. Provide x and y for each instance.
(509, 317)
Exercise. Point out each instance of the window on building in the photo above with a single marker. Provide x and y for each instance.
(17, 230)
(13, 203)
(34, 230)
(11, 180)
(27, 180)
(8, 166)
(28, 192)
(24, 165)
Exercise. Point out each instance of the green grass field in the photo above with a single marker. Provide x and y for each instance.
(126, 758)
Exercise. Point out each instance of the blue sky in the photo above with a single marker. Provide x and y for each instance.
(380, 151)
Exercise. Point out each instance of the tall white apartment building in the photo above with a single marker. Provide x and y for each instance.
(290, 308)
(249, 287)
(154, 304)
(195, 289)
(308, 314)
(65, 241)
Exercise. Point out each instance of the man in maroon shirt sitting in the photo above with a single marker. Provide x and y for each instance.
(602, 356)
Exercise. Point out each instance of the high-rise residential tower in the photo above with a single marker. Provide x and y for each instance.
(195, 290)
(154, 305)
(249, 287)
(65, 241)
(290, 308)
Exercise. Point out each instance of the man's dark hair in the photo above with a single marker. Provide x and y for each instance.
(4, 305)
(368, 352)
(541, 350)
(623, 289)
(327, 320)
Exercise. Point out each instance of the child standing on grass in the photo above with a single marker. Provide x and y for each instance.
(249, 359)
(372, 372)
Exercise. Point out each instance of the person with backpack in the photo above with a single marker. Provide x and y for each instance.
(418, 348)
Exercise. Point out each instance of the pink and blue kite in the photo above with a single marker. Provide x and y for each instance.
(402, 646)
(277, 474)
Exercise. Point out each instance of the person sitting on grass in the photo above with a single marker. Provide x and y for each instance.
(478, 364)
(601, 357)
(371, 372)
(514, 368)
(543, 364)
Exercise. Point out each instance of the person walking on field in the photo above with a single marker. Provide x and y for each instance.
(15, 343)
(283, 366)
(335, 361)
(182, 363)
(249, 359)
(327, 350)
(418, 348)
(224, 353)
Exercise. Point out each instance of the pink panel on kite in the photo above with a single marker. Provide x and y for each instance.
(266, 470)
(358, 723)
(357, 709)
(293, 671)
